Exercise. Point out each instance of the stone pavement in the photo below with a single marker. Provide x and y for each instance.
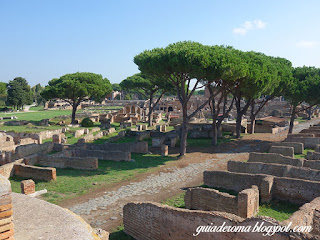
(153, 184)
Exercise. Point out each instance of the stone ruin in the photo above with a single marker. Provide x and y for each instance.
(265, 177)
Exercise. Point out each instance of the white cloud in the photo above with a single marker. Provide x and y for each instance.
(249, 25)
(307, 44)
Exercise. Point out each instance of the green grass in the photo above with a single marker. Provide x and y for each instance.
(300, 120)
(36, 108)
(72, 182)
(176, 201)
(278, 210)
(70, 138)
(37, 116)
(119, 234)
(304, 154)
(34, 118)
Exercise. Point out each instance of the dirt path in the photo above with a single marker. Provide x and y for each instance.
(103, 208)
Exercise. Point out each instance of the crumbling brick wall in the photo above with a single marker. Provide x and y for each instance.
(145, 221)
(274, 158)
(58, 161)
(279, 188)
(246, 204)
(279, 170)
(36, 173)
(297, 147)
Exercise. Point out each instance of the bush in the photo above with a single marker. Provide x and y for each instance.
(86, 122)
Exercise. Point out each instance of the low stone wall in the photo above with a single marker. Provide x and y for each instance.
(285, 151)
(80, 132)
(90, 137)
(300, 135)
(102, 155)
(297, 191)
(7, 170)
(85, 163)
(274, 158)
(133, 147)
(312, 164)
(245, 205)
(27, 150)
(313, 155)
(309, 212)
(297, 147)
(278, 170)
(146, 221)
(307, 141)
(36, 173)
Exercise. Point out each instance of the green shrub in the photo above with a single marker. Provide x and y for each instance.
(86, 122)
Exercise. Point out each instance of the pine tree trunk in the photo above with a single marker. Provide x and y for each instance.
(239, 118)
(310, 113)
(293, 113)
(252, 118)
(214, 133)
(238, 124)
(184, 132)
(150, 111)
(73, 116)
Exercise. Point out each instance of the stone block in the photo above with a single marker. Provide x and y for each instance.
(56, 138)
(164, 150)
(27, 187)
(285, 151)
(248, 202)
(298, 147)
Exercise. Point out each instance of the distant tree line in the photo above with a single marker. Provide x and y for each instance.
(250, 77)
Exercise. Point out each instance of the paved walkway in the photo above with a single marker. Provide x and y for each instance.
(108, 207)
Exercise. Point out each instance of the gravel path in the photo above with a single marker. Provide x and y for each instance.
(151, 185)
(305, 125)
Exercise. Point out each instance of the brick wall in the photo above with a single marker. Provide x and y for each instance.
(210, 200)
(85, 163)
(102, 155)
(297, 147)
(30, 149)
(6, 170)
(245, 205)
(274, 170)
(133, 147)
(285, 151)
(287, 189)
(146, 221)
(274, 158)
(307, 141)
(36, 173)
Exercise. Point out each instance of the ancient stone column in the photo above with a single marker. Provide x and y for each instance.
(6, 224)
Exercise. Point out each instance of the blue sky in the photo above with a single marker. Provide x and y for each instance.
(41, 40)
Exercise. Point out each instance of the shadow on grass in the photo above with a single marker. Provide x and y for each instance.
(119, 234)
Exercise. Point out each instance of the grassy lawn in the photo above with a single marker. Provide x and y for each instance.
(37, 116)
(304, 154)
(278, 210)
(176, 201)
(34, 118)
(72, 182)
